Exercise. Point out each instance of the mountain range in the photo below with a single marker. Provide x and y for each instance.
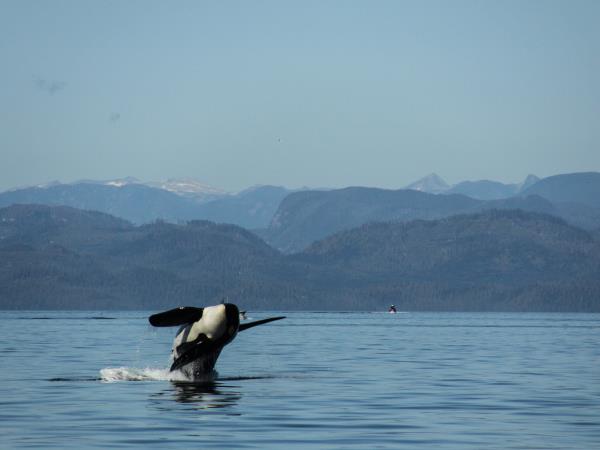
(304, 217)
(185, 187)
(173, 200)
(291, 220)
(56, 257)
(481, 189)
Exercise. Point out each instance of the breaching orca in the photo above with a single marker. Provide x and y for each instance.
(203, 334)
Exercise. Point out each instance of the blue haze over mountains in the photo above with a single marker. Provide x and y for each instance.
(171, 201)
(290, 220)
(126, 244)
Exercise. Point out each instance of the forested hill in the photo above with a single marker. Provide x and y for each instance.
(40, 226)
(59, 257)
(304, 217)
(496, 260)
(583, 188)
(495, 247)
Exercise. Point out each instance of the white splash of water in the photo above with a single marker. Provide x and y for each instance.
(113, 374)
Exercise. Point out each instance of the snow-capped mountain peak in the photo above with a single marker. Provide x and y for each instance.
(120, 182)
(189, 187)
(431, 183)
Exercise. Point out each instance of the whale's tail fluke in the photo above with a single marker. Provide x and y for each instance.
(177, 316)
(245, 326)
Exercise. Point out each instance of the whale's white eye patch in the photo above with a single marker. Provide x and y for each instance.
(212, 324)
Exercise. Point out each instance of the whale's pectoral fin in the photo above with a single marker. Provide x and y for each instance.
(177, 316)
(245, 326)
(187, 346)
(193, 352)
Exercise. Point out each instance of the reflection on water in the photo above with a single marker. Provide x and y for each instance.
(204, 395)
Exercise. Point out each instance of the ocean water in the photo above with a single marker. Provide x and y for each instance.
(313, 380)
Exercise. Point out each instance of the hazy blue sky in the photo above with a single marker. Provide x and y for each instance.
(325, 93)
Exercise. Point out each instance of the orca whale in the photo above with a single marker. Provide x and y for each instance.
(202, 335)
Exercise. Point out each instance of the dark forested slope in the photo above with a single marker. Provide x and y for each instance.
(60, 257)
(492, 260)
(305, 217)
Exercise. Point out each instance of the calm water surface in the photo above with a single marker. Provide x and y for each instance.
(320, 380)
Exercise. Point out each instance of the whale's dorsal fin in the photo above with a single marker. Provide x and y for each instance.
(245, 326)
(177, 316)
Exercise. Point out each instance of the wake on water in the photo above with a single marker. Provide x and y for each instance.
(113, 374)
